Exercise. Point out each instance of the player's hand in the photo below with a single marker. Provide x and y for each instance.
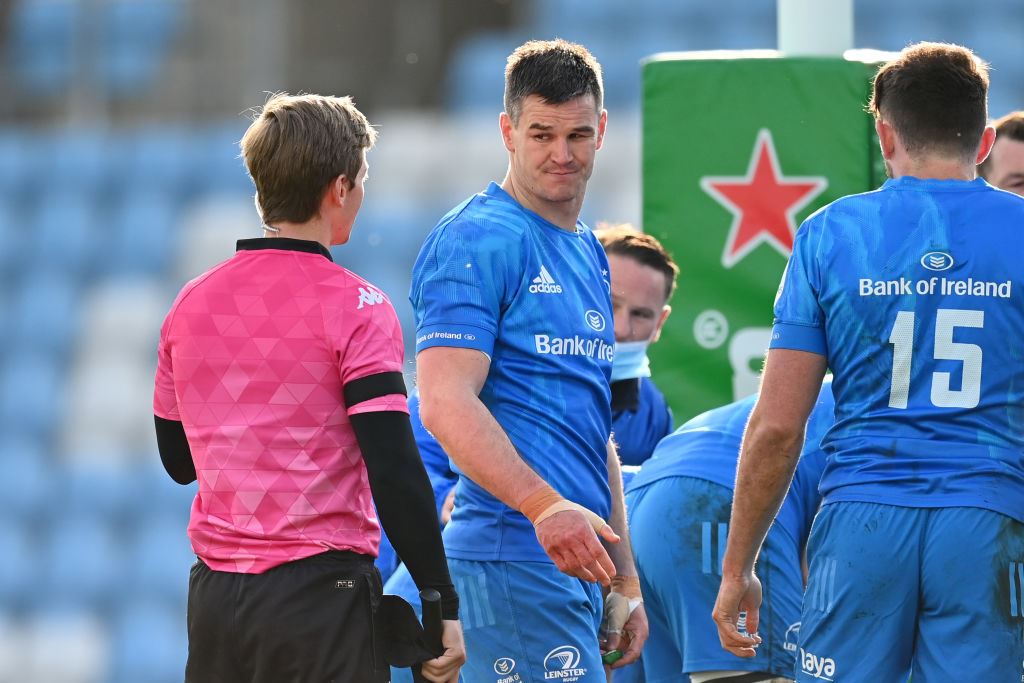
(569, 539)
(445, 669)
(447, 507)
(632, 638)
(738, 594)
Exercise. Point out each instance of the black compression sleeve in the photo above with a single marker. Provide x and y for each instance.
(405, 501)
(174, 451)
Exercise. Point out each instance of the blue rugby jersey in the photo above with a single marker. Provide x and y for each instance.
(495, 277)
(707, 447)
(913, 293)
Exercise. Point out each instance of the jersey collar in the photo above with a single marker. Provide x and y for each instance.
(285, 244)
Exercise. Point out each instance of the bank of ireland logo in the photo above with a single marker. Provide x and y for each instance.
(564, 658)
(504, 666)
(937, 260)
(595, 320)
(763, 203)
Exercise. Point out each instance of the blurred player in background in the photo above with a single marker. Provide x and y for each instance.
(514, 353)
(911, 295)
(643, 278)
(679, 507)
(1004, 166)
(279, 384)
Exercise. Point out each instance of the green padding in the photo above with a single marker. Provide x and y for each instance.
(705, 123)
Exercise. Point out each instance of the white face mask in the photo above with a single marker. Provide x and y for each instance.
(630, 360)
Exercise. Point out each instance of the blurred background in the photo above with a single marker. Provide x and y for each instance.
(120, 180)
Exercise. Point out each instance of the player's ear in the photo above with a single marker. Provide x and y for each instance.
(338, 189)
(886, 138)
(988, 138)
(506, 126)
(602, 124)
(665, 311)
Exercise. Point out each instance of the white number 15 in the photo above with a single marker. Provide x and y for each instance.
(946, 321)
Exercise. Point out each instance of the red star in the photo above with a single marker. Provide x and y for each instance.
(763, 203)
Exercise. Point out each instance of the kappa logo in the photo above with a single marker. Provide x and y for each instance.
(544, 283)
(369, 296)
(563, 664)
(595, 320)
(937, 260)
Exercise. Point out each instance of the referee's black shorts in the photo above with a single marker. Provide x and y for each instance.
(308, 621)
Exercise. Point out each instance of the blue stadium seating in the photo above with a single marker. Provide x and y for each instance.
(41, 46)
(149, 643)
(30, 481)
(143, 239)
(83, 560)
(44, 309)
(135, 37)
(31, 397)
(65, 231)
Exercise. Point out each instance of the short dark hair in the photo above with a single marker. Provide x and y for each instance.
(557, 71)
(1011, 127)
(625, 240)
(935, 97)
(296, 146)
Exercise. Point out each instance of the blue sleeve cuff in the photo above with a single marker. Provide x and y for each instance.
(799, 338)
(456, 336)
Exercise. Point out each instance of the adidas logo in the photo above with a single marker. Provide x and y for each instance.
(544, 283)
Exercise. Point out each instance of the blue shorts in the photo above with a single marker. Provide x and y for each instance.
(931, 591)
(679, 526)
(527, 621)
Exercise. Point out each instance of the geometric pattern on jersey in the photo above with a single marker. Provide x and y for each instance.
(497, 278)
(253, 359)
(913, 293)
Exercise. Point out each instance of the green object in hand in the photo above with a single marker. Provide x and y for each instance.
(611, 656)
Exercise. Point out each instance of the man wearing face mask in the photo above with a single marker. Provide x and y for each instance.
(643, 278)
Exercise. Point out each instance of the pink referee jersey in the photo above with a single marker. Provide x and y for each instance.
(253, 358)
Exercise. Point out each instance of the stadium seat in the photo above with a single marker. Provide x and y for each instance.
(210, 227)
(134, 40)
(110, 410)
(19, 566)
(65, 232)
(475, 74)
(41, 46)
(65, 644)
(30, 480)
(144, 240)
(83, 563)
(161, 158)
(76, 157)
(121, 317)
(149, 643)
(161, 553)
(21, 156)
(219, 168)
(44, 312)
(31, 395)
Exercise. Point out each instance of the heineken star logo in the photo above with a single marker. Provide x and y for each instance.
(763, 203)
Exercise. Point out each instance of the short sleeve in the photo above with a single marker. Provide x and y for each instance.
(799, 319)
(459, 284)
(365, 330)
(165, 400)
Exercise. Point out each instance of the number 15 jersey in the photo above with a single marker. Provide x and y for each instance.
(914, 294)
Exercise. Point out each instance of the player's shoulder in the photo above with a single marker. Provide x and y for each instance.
(487, 220)
(848, 206)
(196, 285)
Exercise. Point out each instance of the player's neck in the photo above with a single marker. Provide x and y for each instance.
(933, 168)
(313, 231)
(562, 214)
